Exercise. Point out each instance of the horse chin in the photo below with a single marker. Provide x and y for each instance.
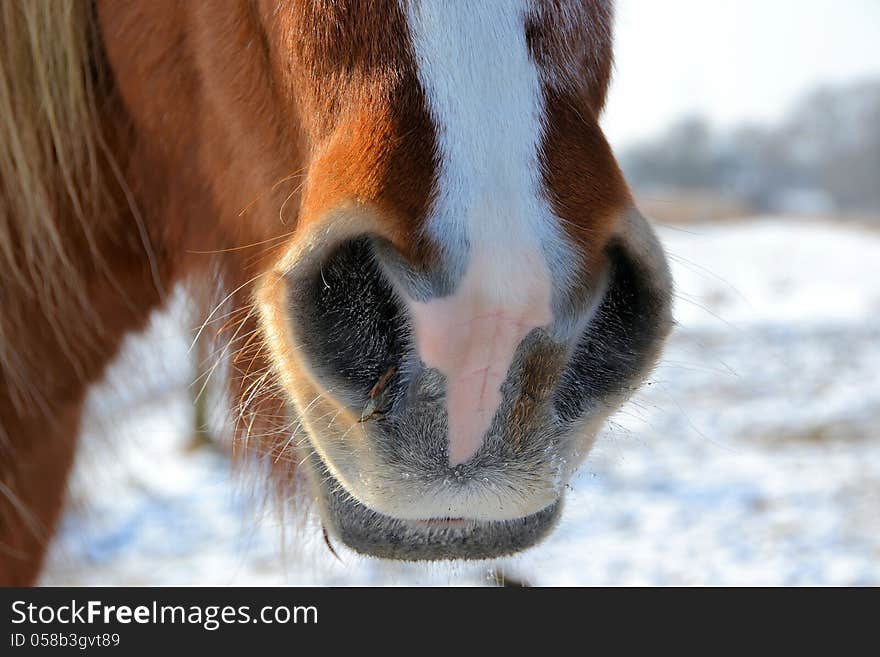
(375, 534)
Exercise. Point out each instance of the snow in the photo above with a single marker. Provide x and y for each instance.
(752, 457)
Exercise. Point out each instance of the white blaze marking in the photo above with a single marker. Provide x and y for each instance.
(490, 218)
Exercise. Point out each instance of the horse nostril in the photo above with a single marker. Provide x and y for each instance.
(621, 340)
(352, 331)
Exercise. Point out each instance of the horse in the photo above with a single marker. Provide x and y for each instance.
(427, 273)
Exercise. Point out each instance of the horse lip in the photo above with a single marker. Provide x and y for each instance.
(432, 539)
(428, 523)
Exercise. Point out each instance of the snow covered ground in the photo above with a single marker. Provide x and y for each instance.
(752, 457)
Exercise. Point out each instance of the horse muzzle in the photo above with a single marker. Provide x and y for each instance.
(378, 415)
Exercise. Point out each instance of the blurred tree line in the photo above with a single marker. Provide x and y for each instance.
(823, 158)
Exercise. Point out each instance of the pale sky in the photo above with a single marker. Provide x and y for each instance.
(732, 60)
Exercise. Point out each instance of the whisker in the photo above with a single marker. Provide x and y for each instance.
(244, 246)
(271, 189)
(217, 307)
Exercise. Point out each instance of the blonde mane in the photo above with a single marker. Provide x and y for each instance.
(53, 187)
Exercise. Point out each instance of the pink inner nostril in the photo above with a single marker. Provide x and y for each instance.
(471, 337)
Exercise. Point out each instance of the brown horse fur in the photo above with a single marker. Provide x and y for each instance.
(147, 143)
